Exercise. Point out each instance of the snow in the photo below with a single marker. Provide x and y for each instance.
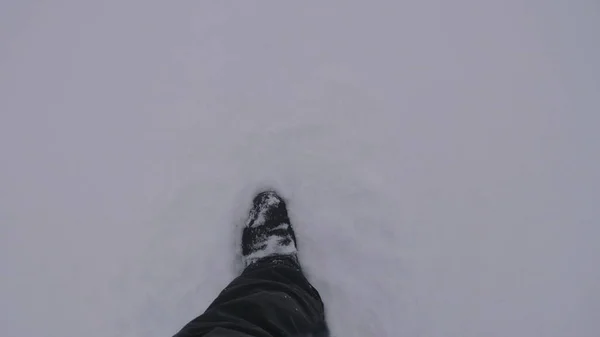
(257, 220)
(272, 246)
(440, 160)
(283, 226)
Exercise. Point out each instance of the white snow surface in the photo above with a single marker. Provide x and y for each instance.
(440, 159)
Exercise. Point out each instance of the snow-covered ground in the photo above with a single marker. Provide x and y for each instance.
(440, 159)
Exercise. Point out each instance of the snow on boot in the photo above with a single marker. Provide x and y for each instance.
(268, 231)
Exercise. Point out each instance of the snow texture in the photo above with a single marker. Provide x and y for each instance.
(257, 220)
(273, 245)
(440, 159)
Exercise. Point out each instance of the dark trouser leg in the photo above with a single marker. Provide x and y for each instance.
(271, 298)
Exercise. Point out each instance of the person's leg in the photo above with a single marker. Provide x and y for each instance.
(272, 297)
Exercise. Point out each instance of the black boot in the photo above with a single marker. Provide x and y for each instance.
(268, 231)
(272, 297)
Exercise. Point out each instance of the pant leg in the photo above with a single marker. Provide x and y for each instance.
(271, 298)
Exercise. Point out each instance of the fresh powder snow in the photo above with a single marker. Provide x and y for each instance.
(439, 158)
